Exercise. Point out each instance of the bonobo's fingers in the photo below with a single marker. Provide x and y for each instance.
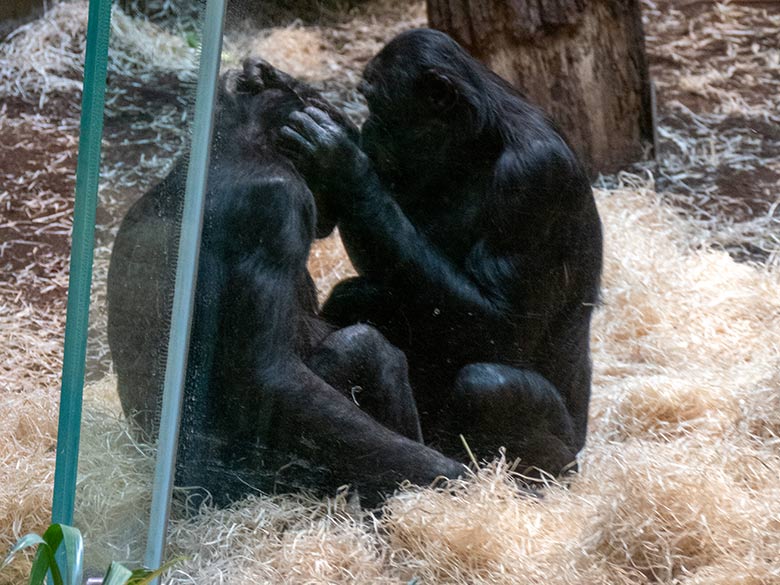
(253, 78)
(305, 125)
(320, 129)
(292, 142)
(259, 74)
(322, 118)
(338, 116)
(323, 153)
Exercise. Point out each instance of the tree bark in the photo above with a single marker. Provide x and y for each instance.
(17, 9)
(14, 13)
(583, 61)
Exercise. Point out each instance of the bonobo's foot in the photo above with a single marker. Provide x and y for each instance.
(359, 300)
(361, 364)
(496, 406)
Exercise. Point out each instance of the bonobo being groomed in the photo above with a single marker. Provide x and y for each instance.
(478, 243)
(268, 400)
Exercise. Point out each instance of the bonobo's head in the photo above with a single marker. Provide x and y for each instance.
(252, 106)
(428, 107)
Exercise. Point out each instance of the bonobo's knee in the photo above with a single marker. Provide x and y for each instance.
(361, 364)
(498, 383)
(497, 406)
(360, 355)
(489, 394)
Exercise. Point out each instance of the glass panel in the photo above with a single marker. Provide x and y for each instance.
(467, 256)
(150, 93)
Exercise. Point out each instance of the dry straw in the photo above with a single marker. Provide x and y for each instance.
(680, 480)
(46, 56)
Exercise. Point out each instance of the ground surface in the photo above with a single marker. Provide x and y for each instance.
(717, 70)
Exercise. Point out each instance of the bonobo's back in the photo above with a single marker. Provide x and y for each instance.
(250, 188)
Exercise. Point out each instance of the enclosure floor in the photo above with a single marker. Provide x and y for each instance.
(679, 478)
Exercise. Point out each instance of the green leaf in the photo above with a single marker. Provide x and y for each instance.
(74, 554)
(40, 566)
(42, 563)
(53, 537)
(192, 40)
(25, 541)
(117, 574)
(145, 576)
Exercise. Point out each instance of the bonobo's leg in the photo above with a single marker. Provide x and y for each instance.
(319, 424)
(361, 364)
(495, 406)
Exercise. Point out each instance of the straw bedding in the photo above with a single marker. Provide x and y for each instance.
(679, 483)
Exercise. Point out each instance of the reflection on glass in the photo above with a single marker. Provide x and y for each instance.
(149, 92)
(471, 248)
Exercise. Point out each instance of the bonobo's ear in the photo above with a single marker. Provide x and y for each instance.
(439, 90)
(256, 75)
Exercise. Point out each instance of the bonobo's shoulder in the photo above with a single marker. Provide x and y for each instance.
(160, 204)
(262, 193)
(266, 179)
(541, 161)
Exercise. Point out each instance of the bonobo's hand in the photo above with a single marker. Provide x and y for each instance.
(323, 152)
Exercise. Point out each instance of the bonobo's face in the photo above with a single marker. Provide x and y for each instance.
(418, 115)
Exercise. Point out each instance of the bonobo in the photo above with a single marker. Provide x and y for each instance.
(478, 245)
(270, 390)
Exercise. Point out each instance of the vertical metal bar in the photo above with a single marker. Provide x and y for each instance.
(83, 239)
(186, 276)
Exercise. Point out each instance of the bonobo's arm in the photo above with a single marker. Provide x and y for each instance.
(285, 401)
(395, 248)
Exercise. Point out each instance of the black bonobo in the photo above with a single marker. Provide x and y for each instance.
(270, 401)
(478, 243)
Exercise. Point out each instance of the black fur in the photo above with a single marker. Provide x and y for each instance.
(476, 236)
(270, 399)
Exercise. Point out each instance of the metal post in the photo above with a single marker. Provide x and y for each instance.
(186, 276)
(80, 282)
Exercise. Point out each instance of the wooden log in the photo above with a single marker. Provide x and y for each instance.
(20, 9)
(583, 61)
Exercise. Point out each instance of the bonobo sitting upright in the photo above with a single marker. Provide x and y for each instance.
(268, 400)
(478, 243)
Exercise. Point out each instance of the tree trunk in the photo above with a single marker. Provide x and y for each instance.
(583, 61)
(14, 13)
(17, 9)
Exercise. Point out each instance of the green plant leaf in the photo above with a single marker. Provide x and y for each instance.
(43, 561)
(192, 40)
(146, 576)
(53, 536)
(40, 566)
(117, 574)
(25, 541)
(74, 554)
